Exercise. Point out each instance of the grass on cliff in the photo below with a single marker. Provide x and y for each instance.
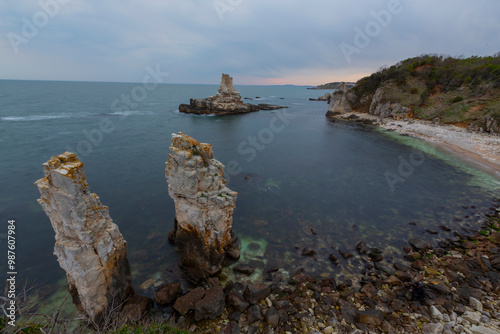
(455, 90)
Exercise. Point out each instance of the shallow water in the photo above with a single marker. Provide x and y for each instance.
(302, 181)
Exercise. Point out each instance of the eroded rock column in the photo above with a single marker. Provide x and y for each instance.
(338, 102)
(89, 246)
(203, 207)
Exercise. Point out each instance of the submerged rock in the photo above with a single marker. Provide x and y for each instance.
(203, 206)
(89, 246)
(227, 101)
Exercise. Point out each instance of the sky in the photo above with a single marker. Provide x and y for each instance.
(258, 42)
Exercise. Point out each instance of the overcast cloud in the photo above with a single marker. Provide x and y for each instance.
(256, 41)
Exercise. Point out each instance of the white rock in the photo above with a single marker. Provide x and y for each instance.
(433, 328)
(472, 317)
(435, 313)
(89, 246)
(328, 330)
(475, 304)
(483, 330)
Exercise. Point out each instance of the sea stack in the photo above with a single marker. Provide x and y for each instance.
(203, 207)
(338, 102)
(227, 101)
(89, 246)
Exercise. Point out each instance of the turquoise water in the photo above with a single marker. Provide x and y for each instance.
(295, 173)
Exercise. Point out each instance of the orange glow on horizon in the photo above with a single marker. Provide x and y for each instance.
(306, 79)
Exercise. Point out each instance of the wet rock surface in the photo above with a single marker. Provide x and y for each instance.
(460, 293)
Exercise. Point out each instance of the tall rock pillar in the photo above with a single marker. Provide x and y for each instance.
(203, 207)
(89, 246)
(338, 102)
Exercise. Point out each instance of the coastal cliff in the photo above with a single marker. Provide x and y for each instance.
(203, 207)
(445, 90)
(89, 246)
(338, 102)
(227, 101)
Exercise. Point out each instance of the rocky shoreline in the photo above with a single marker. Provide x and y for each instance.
(459, 293)
(479, 147)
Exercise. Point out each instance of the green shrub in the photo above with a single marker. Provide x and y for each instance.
(456, 99)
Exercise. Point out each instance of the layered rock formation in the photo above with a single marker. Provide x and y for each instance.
(89, 246)
(227, 101)
(384, 109)
(338, 102)
(203, 207)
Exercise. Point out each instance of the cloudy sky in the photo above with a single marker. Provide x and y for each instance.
(256, 41)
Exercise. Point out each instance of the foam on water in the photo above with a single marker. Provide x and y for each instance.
(132, 113)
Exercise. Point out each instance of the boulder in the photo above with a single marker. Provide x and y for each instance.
(187, 302)
(237, 301)
(135, 308)
(420, 245)
(371, 317)
(212, 305)
(168, 293)
(255, 292)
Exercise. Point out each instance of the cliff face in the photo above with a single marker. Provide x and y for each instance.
(227, 101)
(463, 92)
(89, 246)
(338, 102)
(384, 109)
(203, 206)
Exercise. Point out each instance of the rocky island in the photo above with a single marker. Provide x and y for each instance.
(227, 101)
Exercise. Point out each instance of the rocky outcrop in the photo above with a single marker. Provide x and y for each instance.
(227, 101)
(89, 246)
(203, 206)
(325, 97)
(384, 109)
(339, 103)
(488, 124)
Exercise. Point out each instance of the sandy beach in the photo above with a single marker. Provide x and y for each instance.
(481, 149)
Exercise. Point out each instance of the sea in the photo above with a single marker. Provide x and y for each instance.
(303, 182)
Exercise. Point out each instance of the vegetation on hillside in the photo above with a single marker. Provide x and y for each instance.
(453, 90)
(333, 85)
